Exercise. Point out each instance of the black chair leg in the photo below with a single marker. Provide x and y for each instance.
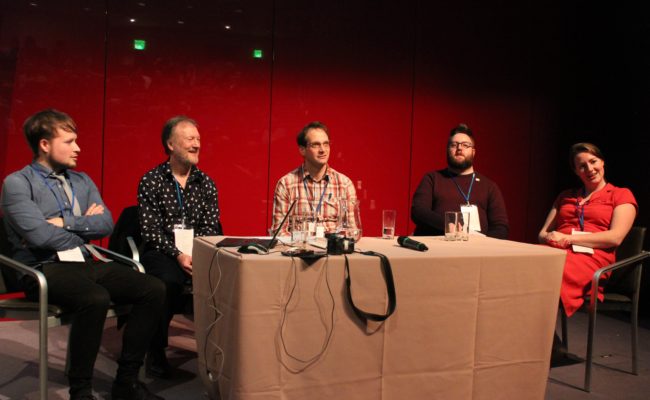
(565, 330)
(590, 344)
(635, 338)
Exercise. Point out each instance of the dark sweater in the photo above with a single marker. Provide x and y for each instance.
(437, 193)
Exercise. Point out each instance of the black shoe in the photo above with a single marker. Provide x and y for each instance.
(132, 391)
(157, 366)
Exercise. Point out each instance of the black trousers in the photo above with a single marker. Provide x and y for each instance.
(166, 269)
(87, 289)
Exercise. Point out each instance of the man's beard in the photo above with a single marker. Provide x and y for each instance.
(462, 165)
(59, 167)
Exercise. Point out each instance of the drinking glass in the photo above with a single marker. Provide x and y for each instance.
(462, 225)
(299, 230)
(349, 222)
(451, 225)
(388, 218)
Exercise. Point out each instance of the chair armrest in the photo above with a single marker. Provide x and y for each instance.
(120, 258)
(134, 249)
(20, 267)
(42, 286)
(636, 259)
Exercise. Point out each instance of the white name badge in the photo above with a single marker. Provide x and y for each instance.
(184, 240)
(320, 231)
(72, 255)
(581, 249)
(317, 230)
(474, 221)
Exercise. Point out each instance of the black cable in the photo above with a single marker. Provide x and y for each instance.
(217, 314)
(310, 361)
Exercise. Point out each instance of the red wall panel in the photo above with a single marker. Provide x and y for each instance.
(337, 63)
(192, 65)
(389, 79)
(42, 66)
(471, 69)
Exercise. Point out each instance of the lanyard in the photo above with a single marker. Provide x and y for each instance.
(58, 202)
(469, 191)
(322, 195)
(180, 199)
(581, 211)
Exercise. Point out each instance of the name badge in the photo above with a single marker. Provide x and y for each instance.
(581, 249)
(184, 239)
(72, 255)
(474, 221)
(320, 231)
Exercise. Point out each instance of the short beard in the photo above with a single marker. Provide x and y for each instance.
(459, 165)
(58, 167)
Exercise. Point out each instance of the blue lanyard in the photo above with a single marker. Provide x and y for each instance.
(58, 202)
(179, 197)
(322, 195)
(469, 191)
(581, 211)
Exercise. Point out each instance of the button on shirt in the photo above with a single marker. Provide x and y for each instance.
(160, 209)
(33, 195)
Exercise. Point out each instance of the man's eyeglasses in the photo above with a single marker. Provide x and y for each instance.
(317, 145)
(462, 145)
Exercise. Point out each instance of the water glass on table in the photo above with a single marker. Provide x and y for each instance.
(299, 230)
(388, 218)
(462, 225)
(456, 225)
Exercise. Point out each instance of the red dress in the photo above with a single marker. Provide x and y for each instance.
(579, 268)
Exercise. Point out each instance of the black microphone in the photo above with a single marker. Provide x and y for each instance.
(409, 243)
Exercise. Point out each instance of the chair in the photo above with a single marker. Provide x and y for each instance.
(621, 292)
(13, 305)
(127, 239)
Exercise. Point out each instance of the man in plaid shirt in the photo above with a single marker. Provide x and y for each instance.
(317, 186)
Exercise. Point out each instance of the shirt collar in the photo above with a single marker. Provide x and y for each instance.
(195, 173)
(45, 171)
(306, 175)
(452, 174)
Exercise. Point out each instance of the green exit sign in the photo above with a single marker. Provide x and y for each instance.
(139, 44)
(257, 53)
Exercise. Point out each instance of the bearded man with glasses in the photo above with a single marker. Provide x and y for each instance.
(459, 188)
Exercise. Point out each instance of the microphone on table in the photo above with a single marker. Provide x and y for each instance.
(409, 243)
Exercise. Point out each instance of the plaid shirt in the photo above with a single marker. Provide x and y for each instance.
(332, 187)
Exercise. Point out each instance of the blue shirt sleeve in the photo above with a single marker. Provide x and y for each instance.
(27, 218)
(28, 203)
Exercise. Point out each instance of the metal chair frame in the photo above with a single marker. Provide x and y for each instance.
(49, 315)
(612, 301)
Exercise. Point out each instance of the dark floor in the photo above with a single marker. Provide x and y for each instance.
(612, 353)
(19, 368)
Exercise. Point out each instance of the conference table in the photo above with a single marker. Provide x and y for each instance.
(474, 320)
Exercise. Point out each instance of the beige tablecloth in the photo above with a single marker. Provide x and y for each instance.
(474, 320)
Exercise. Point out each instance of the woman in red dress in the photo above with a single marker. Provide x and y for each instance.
(598, 208)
